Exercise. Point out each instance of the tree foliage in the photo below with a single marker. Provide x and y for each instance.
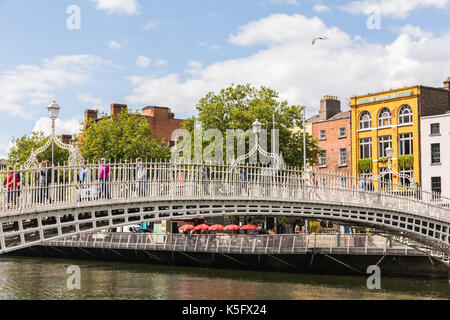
(238, 106)
(23, 146)
(123, 137)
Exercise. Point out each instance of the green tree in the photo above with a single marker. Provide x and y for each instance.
(238, 106)
(23, 146)
(123, 137)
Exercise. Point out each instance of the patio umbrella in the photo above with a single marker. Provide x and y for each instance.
(249, 227)
(216, 227)
(186, 227)
(202, 227)
(232, 227)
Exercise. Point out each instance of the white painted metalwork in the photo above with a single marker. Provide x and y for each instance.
(33, 214)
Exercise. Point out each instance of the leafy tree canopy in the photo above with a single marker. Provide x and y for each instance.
(238, 106)
(123, 137)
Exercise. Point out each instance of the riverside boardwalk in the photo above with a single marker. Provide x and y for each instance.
(347, 254)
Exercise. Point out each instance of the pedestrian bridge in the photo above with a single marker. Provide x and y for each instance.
(37, 212)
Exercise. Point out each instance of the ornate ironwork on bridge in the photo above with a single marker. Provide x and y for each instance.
(154, 191)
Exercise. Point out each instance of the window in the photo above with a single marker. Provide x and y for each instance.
(436, 153)
(384, 118)
(405, 114)
(322, 135)
(365, 121)
(342, 132)
(342, 157)
(383, 143)
(323, 158)
(434, 129)
(436, 188)
(405, 144)
(365, 148)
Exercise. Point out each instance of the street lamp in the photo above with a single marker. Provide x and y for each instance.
(389, 170)
(53, 111)
(277, 159)
(257, 127)
(75, 156)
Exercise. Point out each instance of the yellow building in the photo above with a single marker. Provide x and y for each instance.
(392, 119)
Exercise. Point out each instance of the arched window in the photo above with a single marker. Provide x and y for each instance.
(405, 114)
(384, 118)
(365, 121)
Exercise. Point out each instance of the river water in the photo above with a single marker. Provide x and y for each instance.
(43, 278)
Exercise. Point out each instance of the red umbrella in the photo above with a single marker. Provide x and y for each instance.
(202, 227)
(249, 227)
(232, 227)
(216, 227)
(186, 227)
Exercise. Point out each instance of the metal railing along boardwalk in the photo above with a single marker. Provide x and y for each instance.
(59, 186)
(242, 244)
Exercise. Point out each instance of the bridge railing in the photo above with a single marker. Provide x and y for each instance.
(35, 188)
(246, 244)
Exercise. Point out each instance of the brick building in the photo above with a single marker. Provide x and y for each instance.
(161, 120)
(331, 127)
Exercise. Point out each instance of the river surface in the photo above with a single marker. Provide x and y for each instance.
(44, 278)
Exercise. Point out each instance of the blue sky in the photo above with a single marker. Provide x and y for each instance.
(171, 53)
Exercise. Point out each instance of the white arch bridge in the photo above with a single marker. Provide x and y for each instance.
(38, 211)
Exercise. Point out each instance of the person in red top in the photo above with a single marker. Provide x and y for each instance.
(12, 186)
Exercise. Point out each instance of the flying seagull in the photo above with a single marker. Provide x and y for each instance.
(319, 38)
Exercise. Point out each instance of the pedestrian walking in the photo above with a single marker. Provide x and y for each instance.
(243, 177)
(83, 181)
(104, 175)
(45, 178)
(206, 177)
(141, 178)
(11, 183)
(362, 188)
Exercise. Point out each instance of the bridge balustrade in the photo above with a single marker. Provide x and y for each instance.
(241, 244)
(164, 180)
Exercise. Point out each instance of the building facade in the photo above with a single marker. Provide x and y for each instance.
(435, 157)
(161, 120)
(391, 119)
(332, 128)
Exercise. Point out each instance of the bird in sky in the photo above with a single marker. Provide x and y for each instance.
(319, 38)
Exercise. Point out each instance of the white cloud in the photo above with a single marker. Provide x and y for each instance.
(67, 126)
(321, 8)
(114, 45)
(93, 102)
(28, 88)
(302, 73)
(129, 7)
(151, 24)
(143, 61)
(394, 8)
(160, 62)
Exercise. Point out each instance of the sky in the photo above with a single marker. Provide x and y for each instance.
(91, 53)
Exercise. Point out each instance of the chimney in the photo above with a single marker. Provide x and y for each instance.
(90, 115)
(66, 138)
(447, 84)
(329, 106)
(117, 108)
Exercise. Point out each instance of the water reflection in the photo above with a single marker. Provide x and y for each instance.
(41, 278)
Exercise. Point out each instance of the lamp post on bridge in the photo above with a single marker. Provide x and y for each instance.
(74, 154)
(390, 170)
(53, 111)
